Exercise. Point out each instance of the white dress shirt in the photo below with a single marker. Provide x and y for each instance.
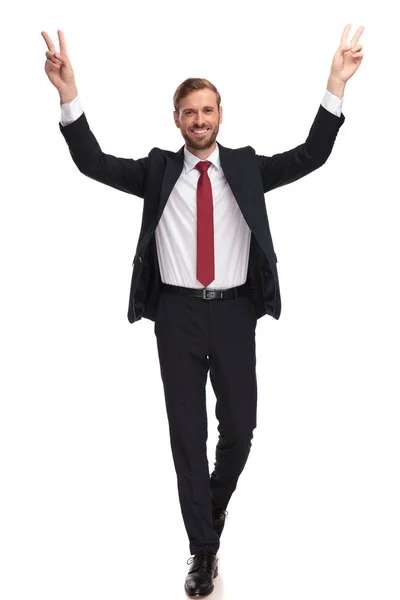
(176, 231)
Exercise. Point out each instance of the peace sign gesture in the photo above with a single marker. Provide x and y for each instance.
(347, 58)
(58, 67)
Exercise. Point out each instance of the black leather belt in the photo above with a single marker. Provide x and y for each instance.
(235, 292)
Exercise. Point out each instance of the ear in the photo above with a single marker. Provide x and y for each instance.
(176, 118)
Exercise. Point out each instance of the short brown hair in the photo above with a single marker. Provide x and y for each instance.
(191, 85)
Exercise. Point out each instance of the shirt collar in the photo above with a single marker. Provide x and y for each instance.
(190, 160)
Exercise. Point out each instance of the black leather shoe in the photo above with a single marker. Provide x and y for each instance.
(218, 518)
(199, 580)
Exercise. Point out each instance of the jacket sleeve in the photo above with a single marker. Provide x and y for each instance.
(286, 167)
(125, 174)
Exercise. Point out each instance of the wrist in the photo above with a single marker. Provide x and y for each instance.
(68, 96)
(335, 86)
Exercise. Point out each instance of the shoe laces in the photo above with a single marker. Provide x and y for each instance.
(200, 559)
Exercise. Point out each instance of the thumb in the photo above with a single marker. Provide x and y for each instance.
(342, 49)
(63, 57)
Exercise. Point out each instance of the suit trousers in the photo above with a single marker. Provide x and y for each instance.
(196, 336)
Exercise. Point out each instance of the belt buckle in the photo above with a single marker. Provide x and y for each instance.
(213, 294)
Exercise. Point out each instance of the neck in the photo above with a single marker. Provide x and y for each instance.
(202, 154)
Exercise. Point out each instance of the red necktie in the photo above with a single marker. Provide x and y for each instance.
(205, 226)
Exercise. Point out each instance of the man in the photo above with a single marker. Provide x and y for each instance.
(204, 272)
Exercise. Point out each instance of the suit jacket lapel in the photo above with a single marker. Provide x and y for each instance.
(173, 168)
(235, 172)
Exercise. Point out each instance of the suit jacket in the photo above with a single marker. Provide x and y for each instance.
(249, 175)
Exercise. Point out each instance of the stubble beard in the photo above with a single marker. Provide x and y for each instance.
(201, 145)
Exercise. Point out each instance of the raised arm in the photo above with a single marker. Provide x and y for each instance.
(286, 167)
(125, 174)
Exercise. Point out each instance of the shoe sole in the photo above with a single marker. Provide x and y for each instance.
(202, 595)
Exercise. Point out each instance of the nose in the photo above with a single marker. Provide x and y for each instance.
(199, 120)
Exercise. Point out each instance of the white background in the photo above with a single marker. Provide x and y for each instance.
(89, 504)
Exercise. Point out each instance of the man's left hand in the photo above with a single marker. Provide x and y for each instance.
(348, 57)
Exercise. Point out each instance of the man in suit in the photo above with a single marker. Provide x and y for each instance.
(204, 271)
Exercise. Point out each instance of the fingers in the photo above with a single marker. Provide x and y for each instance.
(55, 65)
(55, 61)
(63, 45)
(48, 41)
(51, 46)
(357, 35)
(343, 41)
(353, 49)
(356, 51)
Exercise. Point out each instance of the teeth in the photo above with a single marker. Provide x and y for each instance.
(199, 130)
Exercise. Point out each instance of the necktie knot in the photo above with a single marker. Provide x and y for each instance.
(203, 165)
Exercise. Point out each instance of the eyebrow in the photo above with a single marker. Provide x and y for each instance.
(185, 109)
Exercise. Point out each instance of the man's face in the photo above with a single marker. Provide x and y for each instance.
(199, 112)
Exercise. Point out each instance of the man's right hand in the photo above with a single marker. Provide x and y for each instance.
(59, 69)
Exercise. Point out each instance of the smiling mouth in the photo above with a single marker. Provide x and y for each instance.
(199, 132)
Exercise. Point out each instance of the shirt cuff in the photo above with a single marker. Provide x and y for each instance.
(332, 103)
(71, 111)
